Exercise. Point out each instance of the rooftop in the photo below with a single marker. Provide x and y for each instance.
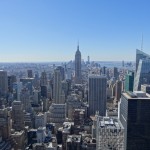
(17, 133)
(74, 138)
(109, 123)
(136, 95)
(96, 76)
(146, 85)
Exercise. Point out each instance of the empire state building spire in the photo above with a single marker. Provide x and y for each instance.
(78, 66)
(78, 46)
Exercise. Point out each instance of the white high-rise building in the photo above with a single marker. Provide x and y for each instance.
(97, 95)
(109, 134)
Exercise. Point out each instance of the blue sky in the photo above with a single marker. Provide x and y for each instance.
(48, 30)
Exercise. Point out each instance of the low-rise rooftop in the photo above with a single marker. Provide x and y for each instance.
(109, 123)
(74, 138)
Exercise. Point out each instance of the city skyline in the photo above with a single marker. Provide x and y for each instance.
(38, 31)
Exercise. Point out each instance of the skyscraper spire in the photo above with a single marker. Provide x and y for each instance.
(78, 46)
(142, 43)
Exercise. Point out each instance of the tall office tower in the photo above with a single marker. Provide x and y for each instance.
(43, 79)
(30, 73)
(50, 88)
(129, 81)
(44, 91)
(36, 97)
(46, 104)
(118, 90)
(140, 55)
(17, 88)
(68, 74)
(3, 82)
(142, 74)
(78, 77)
(104, 70)
(115, 73)
(109, 134)
(142, 69)
(97, 86)
(17, 116)
(11, 80)
(57, 91)
(88, 59)
(5, 123)
(107, 73)
(123, 63)
(62, 72)
(25, 99)
(65, 87)
(134, 114)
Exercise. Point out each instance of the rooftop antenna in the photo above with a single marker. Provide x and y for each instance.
(78, 45)
(142, 43)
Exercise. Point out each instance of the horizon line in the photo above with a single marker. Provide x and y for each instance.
(66, 61)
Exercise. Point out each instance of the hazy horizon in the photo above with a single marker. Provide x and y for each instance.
(118, 61)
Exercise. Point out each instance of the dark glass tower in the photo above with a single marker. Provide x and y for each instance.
(134, 115)
(97, 94)
(78, 66)
(129, 81)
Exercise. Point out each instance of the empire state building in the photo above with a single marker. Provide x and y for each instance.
(78, 66)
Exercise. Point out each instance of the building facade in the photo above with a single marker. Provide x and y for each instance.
(142, 74)
(78, 77)
(57, 91)
(129, 81)
(3, 82)
(134, 114)
(109, 134)
(118, 90)
(97, 94)
(17, 116)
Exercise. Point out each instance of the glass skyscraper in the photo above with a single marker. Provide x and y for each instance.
(134, 114)
(142, 75)
(129, 81)
(140, 55)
